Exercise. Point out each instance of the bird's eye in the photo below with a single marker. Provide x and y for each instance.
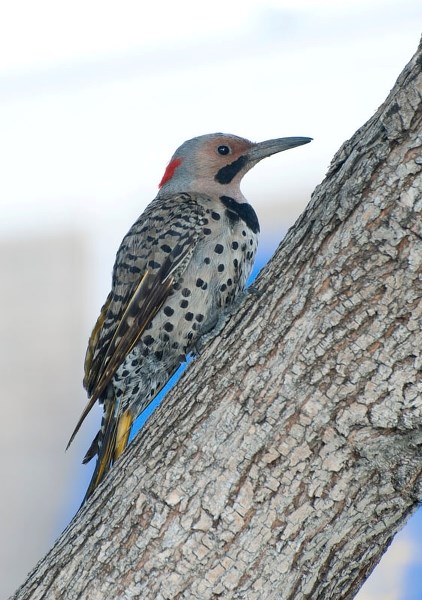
(223, 150)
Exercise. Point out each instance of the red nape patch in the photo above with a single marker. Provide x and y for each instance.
(169, 172)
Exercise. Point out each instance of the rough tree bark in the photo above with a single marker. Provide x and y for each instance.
(289, 454)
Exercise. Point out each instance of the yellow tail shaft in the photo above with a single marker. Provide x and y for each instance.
(113, 439)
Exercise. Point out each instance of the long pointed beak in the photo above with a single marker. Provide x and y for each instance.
(263, 149)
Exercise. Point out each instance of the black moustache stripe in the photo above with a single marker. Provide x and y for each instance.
(227, 173)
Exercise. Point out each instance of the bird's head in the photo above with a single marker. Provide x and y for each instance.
(215, 163)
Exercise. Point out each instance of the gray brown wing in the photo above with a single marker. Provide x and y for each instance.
(151, 258)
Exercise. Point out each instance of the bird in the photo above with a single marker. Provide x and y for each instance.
(178, 272)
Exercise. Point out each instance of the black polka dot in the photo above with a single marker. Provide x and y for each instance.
(158, 354)
(206, 231)
(251, 242)
(153, 264)
(207, 260)
(175, 345)
(199, 318)
(229, 282)
(215, 216)
(185, 292)
(220, 268)
(244, 233)
(125, 373)
(189, 316)
(168, 326)
(165, 248)
(219, 248)
(165, 337)
(199, 282)
(223, 287)
(184, 304)
(148, 340)
(235, 245)
(168, 311)
(235, 263)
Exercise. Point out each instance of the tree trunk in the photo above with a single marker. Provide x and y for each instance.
(289, 454)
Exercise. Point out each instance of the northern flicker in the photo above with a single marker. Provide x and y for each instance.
(177, 271)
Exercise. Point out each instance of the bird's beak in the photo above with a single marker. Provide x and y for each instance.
(263, 149)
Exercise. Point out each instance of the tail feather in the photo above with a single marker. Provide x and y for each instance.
(113, 436)
(124, 426)
(109, 443)
(92, 450)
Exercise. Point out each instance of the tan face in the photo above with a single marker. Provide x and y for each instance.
(221, 151)
(212, 164)
(220, 163)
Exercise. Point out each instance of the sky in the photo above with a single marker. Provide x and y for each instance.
(96, 96)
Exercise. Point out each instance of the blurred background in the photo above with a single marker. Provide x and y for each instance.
(94, 99)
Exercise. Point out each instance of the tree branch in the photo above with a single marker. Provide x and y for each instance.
(289, 454)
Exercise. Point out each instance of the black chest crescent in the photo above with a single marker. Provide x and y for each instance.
(236, 211)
